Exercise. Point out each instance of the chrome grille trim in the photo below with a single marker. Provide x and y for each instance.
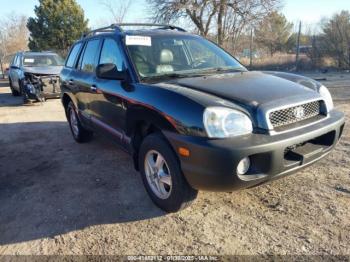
(294, 114)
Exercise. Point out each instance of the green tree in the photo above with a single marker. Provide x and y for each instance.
(273, 32)
(58, 23)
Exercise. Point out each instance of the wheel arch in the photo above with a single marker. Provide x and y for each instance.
(66, 98)
(143, 121)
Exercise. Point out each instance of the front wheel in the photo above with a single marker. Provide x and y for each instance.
(162, 175)
(80, 134)
(13, 91)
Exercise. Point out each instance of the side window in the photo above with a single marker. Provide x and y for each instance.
(110, 54)
(88, 60)
(73, 55)
(16, 61)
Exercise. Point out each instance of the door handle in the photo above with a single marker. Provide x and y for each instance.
(71, 82)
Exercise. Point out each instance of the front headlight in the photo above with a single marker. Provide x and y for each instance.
(326, 95)
(221, 122)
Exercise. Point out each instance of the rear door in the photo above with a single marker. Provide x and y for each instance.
(67, 82)
(83, 77)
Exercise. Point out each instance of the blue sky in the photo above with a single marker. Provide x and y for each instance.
(309, 11)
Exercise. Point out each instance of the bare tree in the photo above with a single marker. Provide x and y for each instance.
(336, 35)
(118, 9)
(200, 12)
(228, 17)
(13, 35)
(239, 15)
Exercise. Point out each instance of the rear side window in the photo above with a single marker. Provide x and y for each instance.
(73, 55)
(110, 54)
(88, 61)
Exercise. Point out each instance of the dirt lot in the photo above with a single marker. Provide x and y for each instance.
(58, 197)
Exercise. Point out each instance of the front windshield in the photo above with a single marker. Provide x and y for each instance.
(169, 55)
(42, 60)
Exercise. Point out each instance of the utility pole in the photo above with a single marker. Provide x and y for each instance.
(251, 49)
(298, 49)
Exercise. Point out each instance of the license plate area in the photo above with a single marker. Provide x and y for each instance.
(307, 151)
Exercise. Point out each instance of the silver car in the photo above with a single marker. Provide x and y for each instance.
(35, 75)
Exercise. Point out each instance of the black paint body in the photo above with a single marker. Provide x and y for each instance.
(175, 107)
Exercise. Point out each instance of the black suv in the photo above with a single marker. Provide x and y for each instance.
(190, 114)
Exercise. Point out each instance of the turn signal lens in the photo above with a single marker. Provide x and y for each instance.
(184, 152)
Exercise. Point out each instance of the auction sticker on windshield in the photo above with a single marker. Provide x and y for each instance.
(29, 60)
(138, 40)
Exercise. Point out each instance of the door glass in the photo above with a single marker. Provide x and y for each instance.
(88, 62)
(110, 54)
(14, 61)
(73, 55)
(17, 61)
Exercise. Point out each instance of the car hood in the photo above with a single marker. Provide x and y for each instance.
(254, 92)
(250, 89)
(45, 70)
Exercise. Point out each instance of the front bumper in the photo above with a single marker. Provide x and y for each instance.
(212, 163)
(43, 87)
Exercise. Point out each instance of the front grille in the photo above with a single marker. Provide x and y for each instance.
(295, 114)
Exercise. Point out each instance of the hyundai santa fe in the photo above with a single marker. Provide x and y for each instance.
(35, 75)
(192, 117)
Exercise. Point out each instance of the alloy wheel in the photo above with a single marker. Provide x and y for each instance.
(74, 123)
(158, 174)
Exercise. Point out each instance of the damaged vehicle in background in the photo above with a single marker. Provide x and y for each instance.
(35, 75)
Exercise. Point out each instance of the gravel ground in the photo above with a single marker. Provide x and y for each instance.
(59, 197)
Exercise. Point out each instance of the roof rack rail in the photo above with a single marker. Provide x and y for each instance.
(160, 26)
(118, 28)
(111, 28)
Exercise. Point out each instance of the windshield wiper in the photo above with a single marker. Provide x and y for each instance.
(171, 75)
(224, 70)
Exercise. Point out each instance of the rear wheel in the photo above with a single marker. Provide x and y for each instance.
(162, 175)
(80, 134)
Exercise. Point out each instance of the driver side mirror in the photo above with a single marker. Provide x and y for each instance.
(110, 71)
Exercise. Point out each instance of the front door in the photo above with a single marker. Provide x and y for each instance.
(107, 100)
(14, 72)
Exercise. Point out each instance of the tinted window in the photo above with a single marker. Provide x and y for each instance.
(88, 61)
(73, 55)
(110, 54)
(13, 62)
(16, 61)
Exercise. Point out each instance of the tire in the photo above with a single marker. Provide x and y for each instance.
(13, 91)
(26, 100)
(175, 194)
(80, 134)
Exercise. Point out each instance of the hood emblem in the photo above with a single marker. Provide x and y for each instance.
(299, 112)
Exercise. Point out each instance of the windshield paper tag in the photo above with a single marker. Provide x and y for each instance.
(28, 60)
(138, 40)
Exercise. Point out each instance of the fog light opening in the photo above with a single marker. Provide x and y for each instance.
(243, 166)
